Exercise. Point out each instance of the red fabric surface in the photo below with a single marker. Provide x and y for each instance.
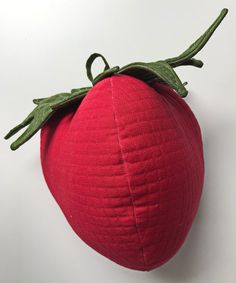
(126, 167)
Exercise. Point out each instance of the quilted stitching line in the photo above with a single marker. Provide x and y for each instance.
(187, 144)
(89, 214)
(127, 175)
(162, 155)
(137, 149)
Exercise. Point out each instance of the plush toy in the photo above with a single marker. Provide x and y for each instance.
(124, 158)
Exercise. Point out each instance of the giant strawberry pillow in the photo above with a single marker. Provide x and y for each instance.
(124, 158)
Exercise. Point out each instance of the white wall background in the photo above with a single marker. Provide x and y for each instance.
(43, 48)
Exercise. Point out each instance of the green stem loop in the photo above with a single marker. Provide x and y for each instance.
(90, 62)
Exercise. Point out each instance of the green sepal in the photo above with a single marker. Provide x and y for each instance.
(45, 108)
(198, 44)
(108, 73)
(159, 70)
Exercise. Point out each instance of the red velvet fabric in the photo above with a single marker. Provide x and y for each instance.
(126, 167)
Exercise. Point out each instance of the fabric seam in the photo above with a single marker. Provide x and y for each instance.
(127, 176)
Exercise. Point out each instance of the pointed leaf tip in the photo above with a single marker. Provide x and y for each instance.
(225, 11)
(13, 147)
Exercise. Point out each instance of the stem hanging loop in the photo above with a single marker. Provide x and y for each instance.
(90, 62)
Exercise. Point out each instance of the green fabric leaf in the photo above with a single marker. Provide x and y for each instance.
(198, 44)
(45, 108)
(106, 74)
(159, 70)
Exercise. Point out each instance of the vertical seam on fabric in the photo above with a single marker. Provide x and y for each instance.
(127, 175)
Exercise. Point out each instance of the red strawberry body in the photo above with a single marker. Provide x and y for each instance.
(124, 158)
(126, 168)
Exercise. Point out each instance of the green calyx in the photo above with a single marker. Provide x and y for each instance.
(45, 108)
(161, 71)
